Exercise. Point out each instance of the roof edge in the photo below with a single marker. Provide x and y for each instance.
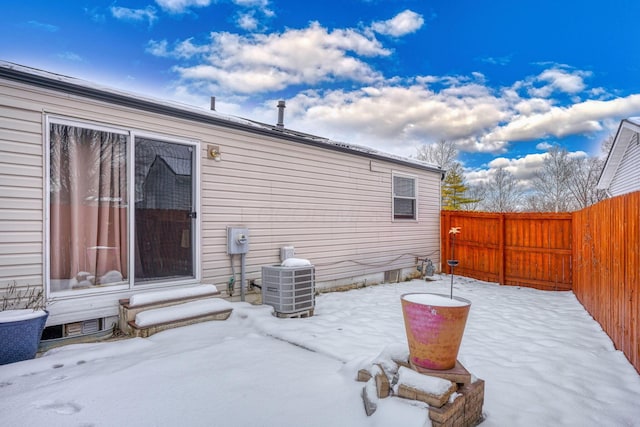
(616, 153)
(70, 85)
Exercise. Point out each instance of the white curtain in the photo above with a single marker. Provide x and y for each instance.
(88, 206)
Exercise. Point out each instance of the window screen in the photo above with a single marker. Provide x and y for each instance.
(404, 197)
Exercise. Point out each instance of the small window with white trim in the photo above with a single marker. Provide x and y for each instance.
(404, 197)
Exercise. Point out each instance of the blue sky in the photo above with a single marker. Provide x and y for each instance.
(502, 79)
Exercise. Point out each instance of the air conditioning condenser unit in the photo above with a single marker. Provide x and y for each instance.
(289, 290)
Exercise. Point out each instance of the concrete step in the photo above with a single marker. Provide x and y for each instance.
(151, 321)
(137, 303)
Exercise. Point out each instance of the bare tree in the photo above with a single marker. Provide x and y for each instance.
(454, 190)
(533, 203)
(607, 143)
(585, 172)
(502, 193)
(476, 194)
(551, 183)
(442, 153)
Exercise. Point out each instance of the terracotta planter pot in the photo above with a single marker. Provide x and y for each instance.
(434, 324)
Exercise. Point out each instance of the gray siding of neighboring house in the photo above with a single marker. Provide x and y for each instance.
(621, 171)
(334, 207)
(627, 177)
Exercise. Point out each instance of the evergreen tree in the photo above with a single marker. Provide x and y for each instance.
(454, 190)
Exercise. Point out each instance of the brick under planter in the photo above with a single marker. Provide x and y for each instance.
(457, 404)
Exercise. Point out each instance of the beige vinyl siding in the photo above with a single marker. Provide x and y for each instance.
(627, 177)
(329, 205)
(21, 191)
(334, 207)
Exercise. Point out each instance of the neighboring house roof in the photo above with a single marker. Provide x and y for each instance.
(628, 132)
(83, 88)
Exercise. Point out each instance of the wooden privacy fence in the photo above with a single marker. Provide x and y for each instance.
(518, 249)
(595, 252)
(606, 274)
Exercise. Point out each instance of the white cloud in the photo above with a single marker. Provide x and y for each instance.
(247, 21)
(181, 50)
(577, 154)
(523, 169)
(564, 81)
(159, 48)
(496, 60)
(42, 26)
(259, 63)
(70, 56)
(558, 80)
(402, 24)
(391, 113)
(147, 14)
(252, 3)
(187, 49)
(581, 118)
(96, 14)
(543, 146)
(400, 117)
(598, 92)
(532, 106)
(181, 6)
(397, 115)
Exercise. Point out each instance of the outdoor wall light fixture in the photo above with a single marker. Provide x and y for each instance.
(213, 152)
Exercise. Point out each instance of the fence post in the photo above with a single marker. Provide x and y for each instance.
(445, 242)
(501, 251)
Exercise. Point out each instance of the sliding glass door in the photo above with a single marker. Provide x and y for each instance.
(119, 206)
(164, 212)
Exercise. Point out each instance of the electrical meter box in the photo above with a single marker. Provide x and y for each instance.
(287, 252)
(237, 240)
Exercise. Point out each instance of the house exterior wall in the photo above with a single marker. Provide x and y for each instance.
(334, 207)
(21, 194)
(627, 176)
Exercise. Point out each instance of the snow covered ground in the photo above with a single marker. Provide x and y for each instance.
(545, 361)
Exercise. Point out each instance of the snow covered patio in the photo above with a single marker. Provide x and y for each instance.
(544, 361)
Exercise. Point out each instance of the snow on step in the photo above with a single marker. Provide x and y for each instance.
(182, 311)
(171, 294)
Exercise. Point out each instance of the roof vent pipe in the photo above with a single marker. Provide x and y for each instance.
(281, 107)
(213, 103)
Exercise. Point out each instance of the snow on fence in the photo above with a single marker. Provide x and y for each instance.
(595, 252)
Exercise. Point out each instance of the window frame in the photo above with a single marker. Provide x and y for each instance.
(394, 197)
(196, 201)
(132, 133)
